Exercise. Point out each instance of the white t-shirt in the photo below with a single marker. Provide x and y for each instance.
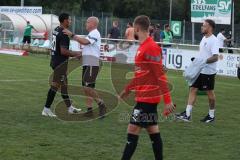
(221, 38)
(91, 52)
(208, 47)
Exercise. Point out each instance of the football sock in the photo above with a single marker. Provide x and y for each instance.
(157, 145)
(211, 113)
(50, 97)
(130, 147)
(64, 94)
(189, 110)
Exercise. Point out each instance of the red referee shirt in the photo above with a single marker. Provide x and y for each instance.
(149, 82)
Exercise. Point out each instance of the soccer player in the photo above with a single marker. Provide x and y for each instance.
(59, 61)
(150, 84)
(90, 60)
(27, 34)
(209, 51)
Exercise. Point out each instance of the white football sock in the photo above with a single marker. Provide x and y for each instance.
(211, 113)
(189, 110)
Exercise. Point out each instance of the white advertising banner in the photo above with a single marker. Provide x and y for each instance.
(179, 59)
(21, 10)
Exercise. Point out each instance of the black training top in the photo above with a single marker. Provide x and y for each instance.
(59, 39)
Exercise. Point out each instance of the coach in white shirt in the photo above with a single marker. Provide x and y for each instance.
(90, 62)
(209, 51)
(222, 39)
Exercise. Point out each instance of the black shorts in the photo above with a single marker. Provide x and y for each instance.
(144, 114)
(60, 74)
(205, 82)
(27, 39)
(89, 76)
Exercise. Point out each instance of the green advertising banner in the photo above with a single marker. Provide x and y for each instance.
(218, 10)
(176, 27)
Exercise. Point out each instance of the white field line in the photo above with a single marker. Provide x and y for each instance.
(46, 80)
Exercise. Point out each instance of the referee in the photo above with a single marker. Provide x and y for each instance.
(59, 61)
(90, 62)
(209, 51)
(149, 84)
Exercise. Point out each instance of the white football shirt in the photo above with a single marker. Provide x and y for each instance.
(91, 52)
(221, 38)
(208, 47)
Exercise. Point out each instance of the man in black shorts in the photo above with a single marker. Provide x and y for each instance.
(28, 34)
(59, 63)
(90, 62)
(150, 85)
(209, 51)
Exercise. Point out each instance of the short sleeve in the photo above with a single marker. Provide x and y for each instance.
(64, 41)
(223, 37)
(215, 47)
(92, 37)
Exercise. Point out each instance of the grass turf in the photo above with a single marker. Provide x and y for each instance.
(26, 135)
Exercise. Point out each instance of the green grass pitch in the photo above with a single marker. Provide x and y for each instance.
(26, 135)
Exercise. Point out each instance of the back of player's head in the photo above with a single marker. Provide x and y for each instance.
(142, 21)
(28, 22)
(211, 23)
(62, 17)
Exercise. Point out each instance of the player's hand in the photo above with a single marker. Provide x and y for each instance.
(169, 108)
(67, 32)
(78, 55)
(124, 94)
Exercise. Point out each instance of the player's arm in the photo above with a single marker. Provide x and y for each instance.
(215, 53)
(68, 53)
(64, 45)
(34, 29)
(83, 41)
(212, 59)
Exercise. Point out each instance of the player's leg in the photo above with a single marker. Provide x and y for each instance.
(198, 85)
(50, 98)
(156, 139)
(209, 83)
(28, 42)
(64, 90)
(23, 42)
(186, 115)
(132, 141)
(93, 95)
(89, 77)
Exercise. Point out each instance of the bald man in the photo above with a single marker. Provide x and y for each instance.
(90, 63)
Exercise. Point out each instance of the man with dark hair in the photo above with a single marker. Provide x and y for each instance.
(59, 60)
(148, 72)
(209, 51)
(27, 34)
(166, 35)
(157, 32)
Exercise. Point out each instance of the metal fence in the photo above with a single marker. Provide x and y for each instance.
(106, 19)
